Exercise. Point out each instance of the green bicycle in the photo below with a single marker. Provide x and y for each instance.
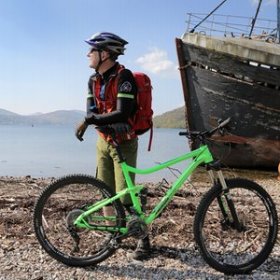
(70, 224)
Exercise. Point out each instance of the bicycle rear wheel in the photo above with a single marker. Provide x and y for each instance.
(222, 246)
(55, 212)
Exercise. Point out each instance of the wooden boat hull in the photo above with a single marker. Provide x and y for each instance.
(217, 85)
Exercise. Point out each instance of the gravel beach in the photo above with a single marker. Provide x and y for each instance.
(174, 256)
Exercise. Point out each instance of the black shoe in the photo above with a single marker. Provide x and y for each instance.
(142, 250)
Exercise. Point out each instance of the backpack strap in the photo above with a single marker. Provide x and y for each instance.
(150, 139)
(91, 101)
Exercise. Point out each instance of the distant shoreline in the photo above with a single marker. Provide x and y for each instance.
(171, 119)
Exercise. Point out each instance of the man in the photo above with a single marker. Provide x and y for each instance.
(112, 100)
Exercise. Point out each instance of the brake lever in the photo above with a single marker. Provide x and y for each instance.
(222, 131)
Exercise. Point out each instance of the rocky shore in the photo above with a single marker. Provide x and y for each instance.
(174, 252)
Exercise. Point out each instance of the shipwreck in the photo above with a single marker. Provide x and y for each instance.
(230, 67)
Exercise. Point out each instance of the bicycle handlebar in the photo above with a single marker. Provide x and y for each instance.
(107, 129)
(202, 135)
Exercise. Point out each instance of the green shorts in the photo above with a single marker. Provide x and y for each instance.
(108, 166)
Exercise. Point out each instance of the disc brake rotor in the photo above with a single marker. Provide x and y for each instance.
(71, 218)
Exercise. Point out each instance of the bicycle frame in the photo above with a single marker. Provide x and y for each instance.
(199, 156)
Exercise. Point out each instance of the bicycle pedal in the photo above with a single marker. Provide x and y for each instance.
(114, 243)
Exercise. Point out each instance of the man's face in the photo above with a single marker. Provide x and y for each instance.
(93, 56)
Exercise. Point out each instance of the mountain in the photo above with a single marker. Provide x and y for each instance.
(171, 119)
(6, 113)
(61, 117)
(7, 117)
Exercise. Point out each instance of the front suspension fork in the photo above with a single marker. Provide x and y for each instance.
(225, 202)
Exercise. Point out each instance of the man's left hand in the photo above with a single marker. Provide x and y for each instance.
(80, 131)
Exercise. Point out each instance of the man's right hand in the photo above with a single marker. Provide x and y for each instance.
(121, 128)
(80, 130)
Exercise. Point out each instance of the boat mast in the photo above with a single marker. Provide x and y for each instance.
(208, 15)
(278, 20)
(255, 18)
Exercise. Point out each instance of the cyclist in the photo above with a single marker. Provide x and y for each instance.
(108, 104)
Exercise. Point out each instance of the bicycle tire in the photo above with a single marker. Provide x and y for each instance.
(52, 214)
(221, 246)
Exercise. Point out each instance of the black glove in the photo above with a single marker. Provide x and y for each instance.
(90, 118)
(80, 130)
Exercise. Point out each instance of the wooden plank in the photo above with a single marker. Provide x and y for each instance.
(255, 111)
(231, 65)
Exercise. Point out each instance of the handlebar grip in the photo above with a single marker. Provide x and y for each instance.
(183, 133)
(224, 123)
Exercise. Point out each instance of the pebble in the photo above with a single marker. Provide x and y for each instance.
(23, 258)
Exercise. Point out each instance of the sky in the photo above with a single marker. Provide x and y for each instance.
(43, 59)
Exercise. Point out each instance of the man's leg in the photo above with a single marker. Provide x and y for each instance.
(129, 151)
(105, 172)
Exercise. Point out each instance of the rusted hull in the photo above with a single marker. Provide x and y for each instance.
(216, 86)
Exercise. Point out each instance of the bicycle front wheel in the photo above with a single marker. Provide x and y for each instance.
(222, 245)
(57, 208)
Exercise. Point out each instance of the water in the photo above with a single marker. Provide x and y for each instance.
(53, 151)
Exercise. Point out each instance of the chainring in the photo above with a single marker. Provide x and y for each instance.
(137, 228)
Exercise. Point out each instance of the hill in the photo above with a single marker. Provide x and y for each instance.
(60, 117)
(171, 119)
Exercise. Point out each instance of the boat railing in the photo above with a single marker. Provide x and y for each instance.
(232, 26)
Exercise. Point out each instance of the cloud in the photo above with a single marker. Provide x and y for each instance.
(156, 61)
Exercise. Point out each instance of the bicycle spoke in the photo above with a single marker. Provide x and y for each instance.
(58, 208)
(235, 247)
(226, 247)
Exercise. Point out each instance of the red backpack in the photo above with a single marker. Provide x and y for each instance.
(143, 118)
(142, 121)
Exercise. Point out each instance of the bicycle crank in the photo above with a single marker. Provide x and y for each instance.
(137, 228)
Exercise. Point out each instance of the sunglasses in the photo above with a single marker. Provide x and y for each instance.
(91, 50)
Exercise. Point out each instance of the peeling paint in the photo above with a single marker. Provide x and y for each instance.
(212, 93)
